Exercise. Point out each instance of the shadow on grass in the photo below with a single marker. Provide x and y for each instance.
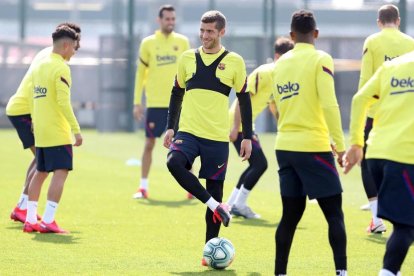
(166, 203)
(377, 238)
(56, 238)
(253, 222)
(229, 272)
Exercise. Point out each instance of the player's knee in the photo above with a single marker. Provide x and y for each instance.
(149, 144)
(175, 161)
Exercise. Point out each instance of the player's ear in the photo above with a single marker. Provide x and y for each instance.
(293, 36)
(316, 33)
(222, 32)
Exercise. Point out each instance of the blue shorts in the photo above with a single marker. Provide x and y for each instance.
(155, 122)
(308, 173)
(213, 154)
(395, 183)
(54, 158)
(23, 126)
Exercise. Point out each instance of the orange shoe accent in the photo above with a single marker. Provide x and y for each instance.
(190, 196)
(203, 262)
(18, 215)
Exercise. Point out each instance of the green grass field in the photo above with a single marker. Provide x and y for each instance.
(113, 234)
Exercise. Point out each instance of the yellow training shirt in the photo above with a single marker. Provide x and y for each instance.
(205, 112)
(392, 134)
(157, 65)
(260, 86)
(53, 117)
(304, 92)
(383, 46)
(19, 103)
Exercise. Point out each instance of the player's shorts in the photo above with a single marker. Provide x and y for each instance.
(395, 183)
(155, 121)
(23, 126)
(213, 154)
(50, 159)
(308, 173)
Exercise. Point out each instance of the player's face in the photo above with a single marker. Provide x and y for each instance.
(209, 35)
(167, 21)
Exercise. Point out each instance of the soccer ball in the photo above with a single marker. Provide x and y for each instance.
(218, 253)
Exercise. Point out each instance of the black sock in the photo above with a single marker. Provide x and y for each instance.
(215, 188)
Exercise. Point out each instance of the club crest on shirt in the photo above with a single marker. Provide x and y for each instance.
(175, 48)
(221, 66)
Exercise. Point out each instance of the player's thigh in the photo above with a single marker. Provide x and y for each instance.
(58, 158)
(290, 183)
(396, 191)
(213, 156)
(155, 122)
(23, 126)
(188, 145)
(318, 173)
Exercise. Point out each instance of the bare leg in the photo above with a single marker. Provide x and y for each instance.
(56, 185)
(147, 157)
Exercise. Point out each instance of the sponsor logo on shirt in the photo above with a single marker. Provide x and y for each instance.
(289, 89)
(387, 58)
(165, 60)
(402, 83)
(39, 92)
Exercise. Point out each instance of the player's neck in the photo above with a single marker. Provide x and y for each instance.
(214, 50)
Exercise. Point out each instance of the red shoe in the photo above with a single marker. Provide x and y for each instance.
(190, 196)
(20, 215)
(203, 262)
(222, 213)
(29, 228)
(141, 193)
(51, 228)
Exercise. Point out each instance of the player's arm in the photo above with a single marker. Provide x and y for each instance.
(140, 80)
(240, 81)
(234, 131)
(63, 83)
(273, 108)
(367, 65)
(326, 91)
(360, 104)
(176, 100)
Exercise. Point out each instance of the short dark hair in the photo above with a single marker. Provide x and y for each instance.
(303, 22)
(388, 14)
(165, 8)
(64, 32)
(71, 25)
(283, 45)
(214, 17)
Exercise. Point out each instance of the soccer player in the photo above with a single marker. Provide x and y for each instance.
(157, 65)
(309, 115)
(378, 48)
(18, 112)
(53, 124)
(260, 87)
(203, 83)
(390, 152)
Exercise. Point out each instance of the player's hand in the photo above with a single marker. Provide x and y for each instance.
(168, 137)
(245, 149)
(340, 158)
(78, 140)
(138, 112)
(233, 134)
(352, 156)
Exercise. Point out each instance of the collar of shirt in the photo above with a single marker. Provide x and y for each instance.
(302, 46)
(57, 56)
(160, 35)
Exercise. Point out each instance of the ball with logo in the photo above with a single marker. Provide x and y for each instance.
(218, 253)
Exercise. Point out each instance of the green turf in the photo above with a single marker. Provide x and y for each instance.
(112, 234)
